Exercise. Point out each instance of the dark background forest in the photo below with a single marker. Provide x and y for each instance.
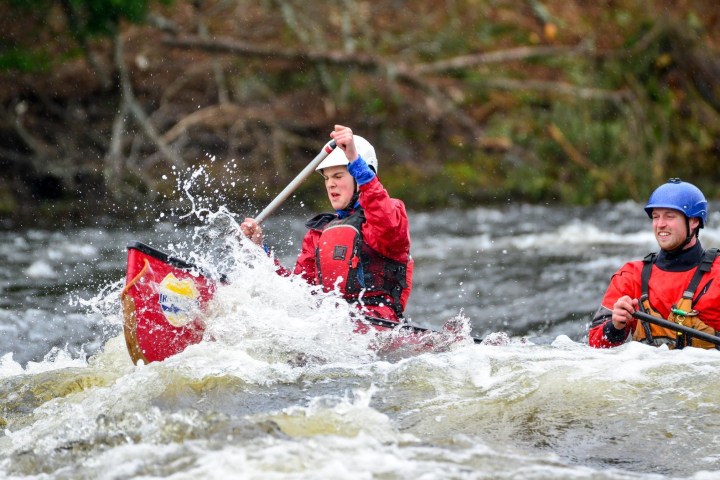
(104, 103)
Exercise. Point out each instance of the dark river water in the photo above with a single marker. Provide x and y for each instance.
(540, 405)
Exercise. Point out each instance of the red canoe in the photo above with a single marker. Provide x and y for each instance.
(164, 300)
(163, 303)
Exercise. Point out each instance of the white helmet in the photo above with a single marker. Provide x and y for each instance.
(337, 156)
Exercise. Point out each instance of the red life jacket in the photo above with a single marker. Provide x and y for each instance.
(655, 335)
(362, 274)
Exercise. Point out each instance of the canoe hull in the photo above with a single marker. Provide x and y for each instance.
(163, 302)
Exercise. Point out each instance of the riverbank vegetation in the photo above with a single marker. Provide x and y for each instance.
(106, 103)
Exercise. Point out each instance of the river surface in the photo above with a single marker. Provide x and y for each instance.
(286, 390)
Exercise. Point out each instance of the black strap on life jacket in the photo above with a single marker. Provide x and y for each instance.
(706, 261)
(648, 263)
(705, 265)
(392, 280)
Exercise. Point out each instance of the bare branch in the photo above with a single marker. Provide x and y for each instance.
(215, 115)
(500, 56)
(573, 153)
(40, 148)
(399, 72)
(117, 131)
(137, 111)
(234, 47)
(414, 75)
(15, 157)
(218, 72)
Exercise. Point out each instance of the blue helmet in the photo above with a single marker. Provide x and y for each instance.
(682, 196)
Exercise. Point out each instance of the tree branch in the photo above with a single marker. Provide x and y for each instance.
(399, 72)
(573, 153)
(137, 111)
(500, 56)
(215, 115)
(235, 47)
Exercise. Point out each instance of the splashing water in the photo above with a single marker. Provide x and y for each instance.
(283, 388)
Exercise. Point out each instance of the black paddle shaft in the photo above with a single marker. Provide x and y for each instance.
(678, 328)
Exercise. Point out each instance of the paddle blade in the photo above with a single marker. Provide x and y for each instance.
(163, 303)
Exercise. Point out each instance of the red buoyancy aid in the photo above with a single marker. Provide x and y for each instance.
(665, 291)
(346, 263)
(655, 335)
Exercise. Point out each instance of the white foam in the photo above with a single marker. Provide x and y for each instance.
(40, 269)
(578, 233)
(9, 367)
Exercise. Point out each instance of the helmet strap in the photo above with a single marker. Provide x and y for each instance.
(691, 234)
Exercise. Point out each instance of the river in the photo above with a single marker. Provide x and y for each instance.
(285, 390)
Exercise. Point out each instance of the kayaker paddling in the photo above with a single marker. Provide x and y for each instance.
(363, 248)
(679, 283)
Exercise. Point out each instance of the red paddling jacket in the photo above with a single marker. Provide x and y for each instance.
(669, 279)
(366, 253)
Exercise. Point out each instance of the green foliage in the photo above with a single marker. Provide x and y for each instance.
(24, 60)
(87, 18)
(608, 124)
(102, 17)
(84, 20)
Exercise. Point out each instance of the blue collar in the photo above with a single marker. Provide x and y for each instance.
(345, 212)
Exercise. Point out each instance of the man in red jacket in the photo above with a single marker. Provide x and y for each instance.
(362, 250)
(679, 283)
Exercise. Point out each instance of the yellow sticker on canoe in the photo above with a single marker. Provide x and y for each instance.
(179, 300)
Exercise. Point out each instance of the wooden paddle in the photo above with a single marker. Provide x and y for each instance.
(678, 328)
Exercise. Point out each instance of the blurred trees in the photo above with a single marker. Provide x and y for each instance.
(465, 101)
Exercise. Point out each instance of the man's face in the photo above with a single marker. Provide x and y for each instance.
(670, 229)
(340, 186)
